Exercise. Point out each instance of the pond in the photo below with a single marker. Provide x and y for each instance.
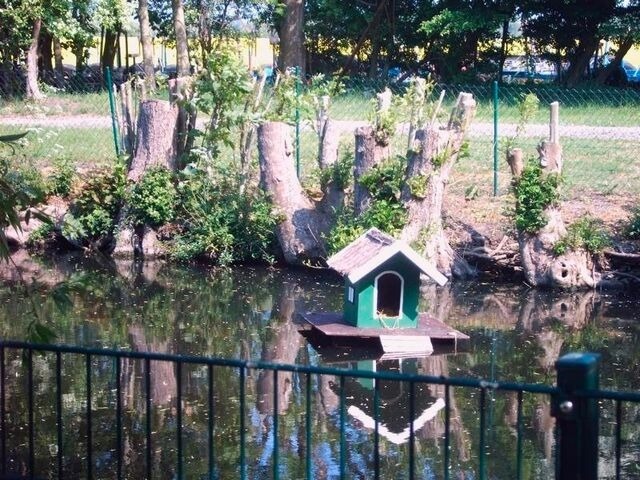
(249, 313)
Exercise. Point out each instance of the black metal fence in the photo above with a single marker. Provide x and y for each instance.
(34, 380)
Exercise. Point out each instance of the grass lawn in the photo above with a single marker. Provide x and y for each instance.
(85, 146)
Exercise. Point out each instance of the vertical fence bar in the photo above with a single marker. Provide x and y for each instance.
(447, 430)
(112, 108)
(59, 414)
(31, 427)
(89, 419)
(147, 388)
(308, 428)
(179, 419)
(520, 433)
(495, 138)
(343, 438)
(618, 438)
(211, 424)
(483, 422)
(118, 361)
(412, 438)
(3, 414)
(243, 469)
(376, 427)
(276, 460)
(297, 80)
(577, 418)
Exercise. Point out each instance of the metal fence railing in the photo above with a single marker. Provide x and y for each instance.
(600, 129)
(55, 421)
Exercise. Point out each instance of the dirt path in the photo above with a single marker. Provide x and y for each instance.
(477, 129)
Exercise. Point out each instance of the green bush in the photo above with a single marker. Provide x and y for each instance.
(60, 181)
(152, 200)
(386, 212)
(585, 233)
(535, 191)
(220, 223)
(94, 208)
(633, 228)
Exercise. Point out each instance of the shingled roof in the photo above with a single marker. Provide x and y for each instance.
(372, 249)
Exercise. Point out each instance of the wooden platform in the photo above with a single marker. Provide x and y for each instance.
(333, 325)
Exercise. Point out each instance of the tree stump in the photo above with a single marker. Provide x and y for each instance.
(542, 267)
(428, 169)
(369, 153)
(302, 224)
(156, 145)
(156, 141)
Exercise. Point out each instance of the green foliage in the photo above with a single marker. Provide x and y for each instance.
(534, 191)
(527, 108)
(39, 237)
(384, 181)
(340, 173)
(220, 223)
(222, 87)
(419, 185)
(287, 100)
(153, 198)
(60, 180)
(385, 212)
(94, 208)
(586, 233)
(384, 117)
(633, 227)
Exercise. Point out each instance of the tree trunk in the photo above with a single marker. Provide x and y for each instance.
(109, 49)
(182, 47)
(329, 143)
(156, 145)
(542, 267)
(428, 170)
(623, 49)
(147, 46)
(302, 225)
(580, 60)
(292, 37)
(45, 51)
(33, 89)
(369, 153)
(57, 55)
(156, 138)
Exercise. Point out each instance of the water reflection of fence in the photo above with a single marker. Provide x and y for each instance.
(48, 378)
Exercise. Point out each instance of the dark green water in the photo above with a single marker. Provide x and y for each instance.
(248, 313)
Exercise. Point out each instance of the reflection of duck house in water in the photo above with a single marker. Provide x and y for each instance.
(394, 397)
(381, 296)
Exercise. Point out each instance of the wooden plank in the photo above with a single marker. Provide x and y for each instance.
(333, 325)
(409, 344)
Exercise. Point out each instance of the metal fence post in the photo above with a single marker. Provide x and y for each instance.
(495, 138)
(577, 417)
(112, 108)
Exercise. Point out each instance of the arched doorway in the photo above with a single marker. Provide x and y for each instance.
(388, 301)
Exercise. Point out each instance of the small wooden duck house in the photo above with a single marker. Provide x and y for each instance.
(382, 281)
(381, 297)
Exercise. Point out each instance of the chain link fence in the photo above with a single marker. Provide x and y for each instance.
(599, 130)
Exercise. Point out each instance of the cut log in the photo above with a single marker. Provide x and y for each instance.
(302, 224)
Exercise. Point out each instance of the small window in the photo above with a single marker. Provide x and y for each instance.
(350, 294)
